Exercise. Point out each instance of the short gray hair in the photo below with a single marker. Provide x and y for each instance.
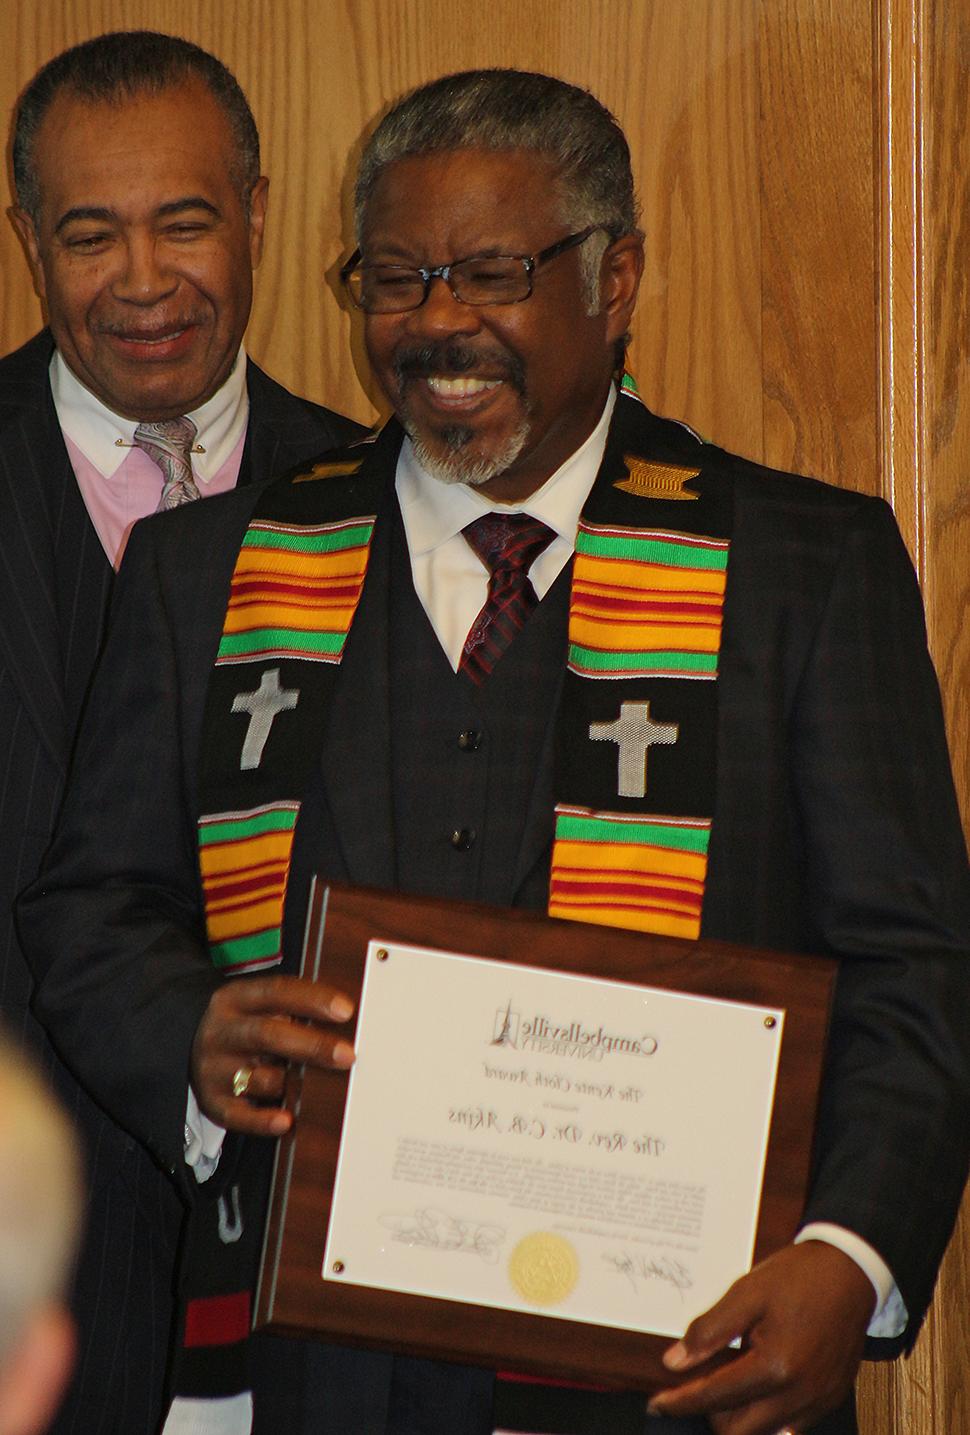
(40, 1196)
(518, 110)
(114, 68)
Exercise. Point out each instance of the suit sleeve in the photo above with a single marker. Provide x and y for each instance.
(889, 894)
(113, 926)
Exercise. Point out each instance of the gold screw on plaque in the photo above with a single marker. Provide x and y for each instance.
(381, 954)
(656, 480)
(770, 1023)
(338, 1268)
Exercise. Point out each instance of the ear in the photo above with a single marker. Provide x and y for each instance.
(27, 234)
(258, 197)
(35, 1373)
(620, 275)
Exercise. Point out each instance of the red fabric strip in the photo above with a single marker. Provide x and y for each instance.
(217, 1320)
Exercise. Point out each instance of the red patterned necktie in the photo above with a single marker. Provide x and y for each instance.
(169, 444)
(508, 544)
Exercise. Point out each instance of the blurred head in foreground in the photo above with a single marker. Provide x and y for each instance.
(40, 1209)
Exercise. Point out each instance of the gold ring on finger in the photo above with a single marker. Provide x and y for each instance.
(241, 1078)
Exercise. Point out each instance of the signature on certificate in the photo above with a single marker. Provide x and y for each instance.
(638, 1269)
(436, 1230)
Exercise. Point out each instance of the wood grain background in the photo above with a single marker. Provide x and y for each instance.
(804, 171)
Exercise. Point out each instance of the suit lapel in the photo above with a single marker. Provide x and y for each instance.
(260, 449)
(34, 470)
(285, 430)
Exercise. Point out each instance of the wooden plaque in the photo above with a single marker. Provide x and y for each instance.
(294, 1298)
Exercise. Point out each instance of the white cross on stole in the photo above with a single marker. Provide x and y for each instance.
(263, 705)
(634, 732)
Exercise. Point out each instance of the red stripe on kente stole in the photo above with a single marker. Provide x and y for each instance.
(641, 612)
(217, 1320)
(245, 886)
(242, 896)
(290, 602)
(676, 881)
(261, 583)
(621, 623)
(654, 892)
(625, 612)
(629, 904)
(224, 907)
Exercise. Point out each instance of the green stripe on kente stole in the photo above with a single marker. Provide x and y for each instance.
(652, 549)
(231, 829)
(649, 834)
(302, 541)
(657, 660)
(246, 949)
(260, 640)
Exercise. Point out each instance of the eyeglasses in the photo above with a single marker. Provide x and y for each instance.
(481, 279)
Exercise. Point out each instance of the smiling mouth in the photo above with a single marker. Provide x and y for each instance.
(460, 388)
(456, 373)
(165, 338)
(154, 336)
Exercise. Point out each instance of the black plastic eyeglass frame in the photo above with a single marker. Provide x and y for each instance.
(530, 263)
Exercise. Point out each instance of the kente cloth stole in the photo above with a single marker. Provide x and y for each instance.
(292, 599)
(636, 731)
(637, 735)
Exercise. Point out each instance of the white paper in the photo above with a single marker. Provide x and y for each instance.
(537, 1141)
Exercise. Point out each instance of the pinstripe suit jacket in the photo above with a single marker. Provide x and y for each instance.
(54, 586)
(835, 828)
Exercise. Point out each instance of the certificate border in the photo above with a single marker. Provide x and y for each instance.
(291, 1296)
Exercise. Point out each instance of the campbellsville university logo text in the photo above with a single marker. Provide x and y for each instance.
(538, 1033)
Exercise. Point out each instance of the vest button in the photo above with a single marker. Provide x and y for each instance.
(462, 838)
(469, 740)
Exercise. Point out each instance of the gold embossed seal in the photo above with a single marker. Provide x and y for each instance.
(544, 1268)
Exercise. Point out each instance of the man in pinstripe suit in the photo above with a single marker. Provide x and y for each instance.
(141, 207)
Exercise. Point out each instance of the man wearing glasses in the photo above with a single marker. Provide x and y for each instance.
(425, 679)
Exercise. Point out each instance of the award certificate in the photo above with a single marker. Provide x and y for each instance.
(537, 1141)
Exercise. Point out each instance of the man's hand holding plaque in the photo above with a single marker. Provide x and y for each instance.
(254, 1028)
(802, 1315)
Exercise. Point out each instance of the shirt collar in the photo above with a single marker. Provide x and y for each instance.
(434, 512)
(105, 438)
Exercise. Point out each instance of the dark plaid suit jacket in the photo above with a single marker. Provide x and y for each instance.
(835, 829)
(54, 586)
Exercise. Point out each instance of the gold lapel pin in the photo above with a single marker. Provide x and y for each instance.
(338, 469)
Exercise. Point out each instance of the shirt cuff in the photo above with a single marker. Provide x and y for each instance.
(890, 1316)
(203, 1140)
